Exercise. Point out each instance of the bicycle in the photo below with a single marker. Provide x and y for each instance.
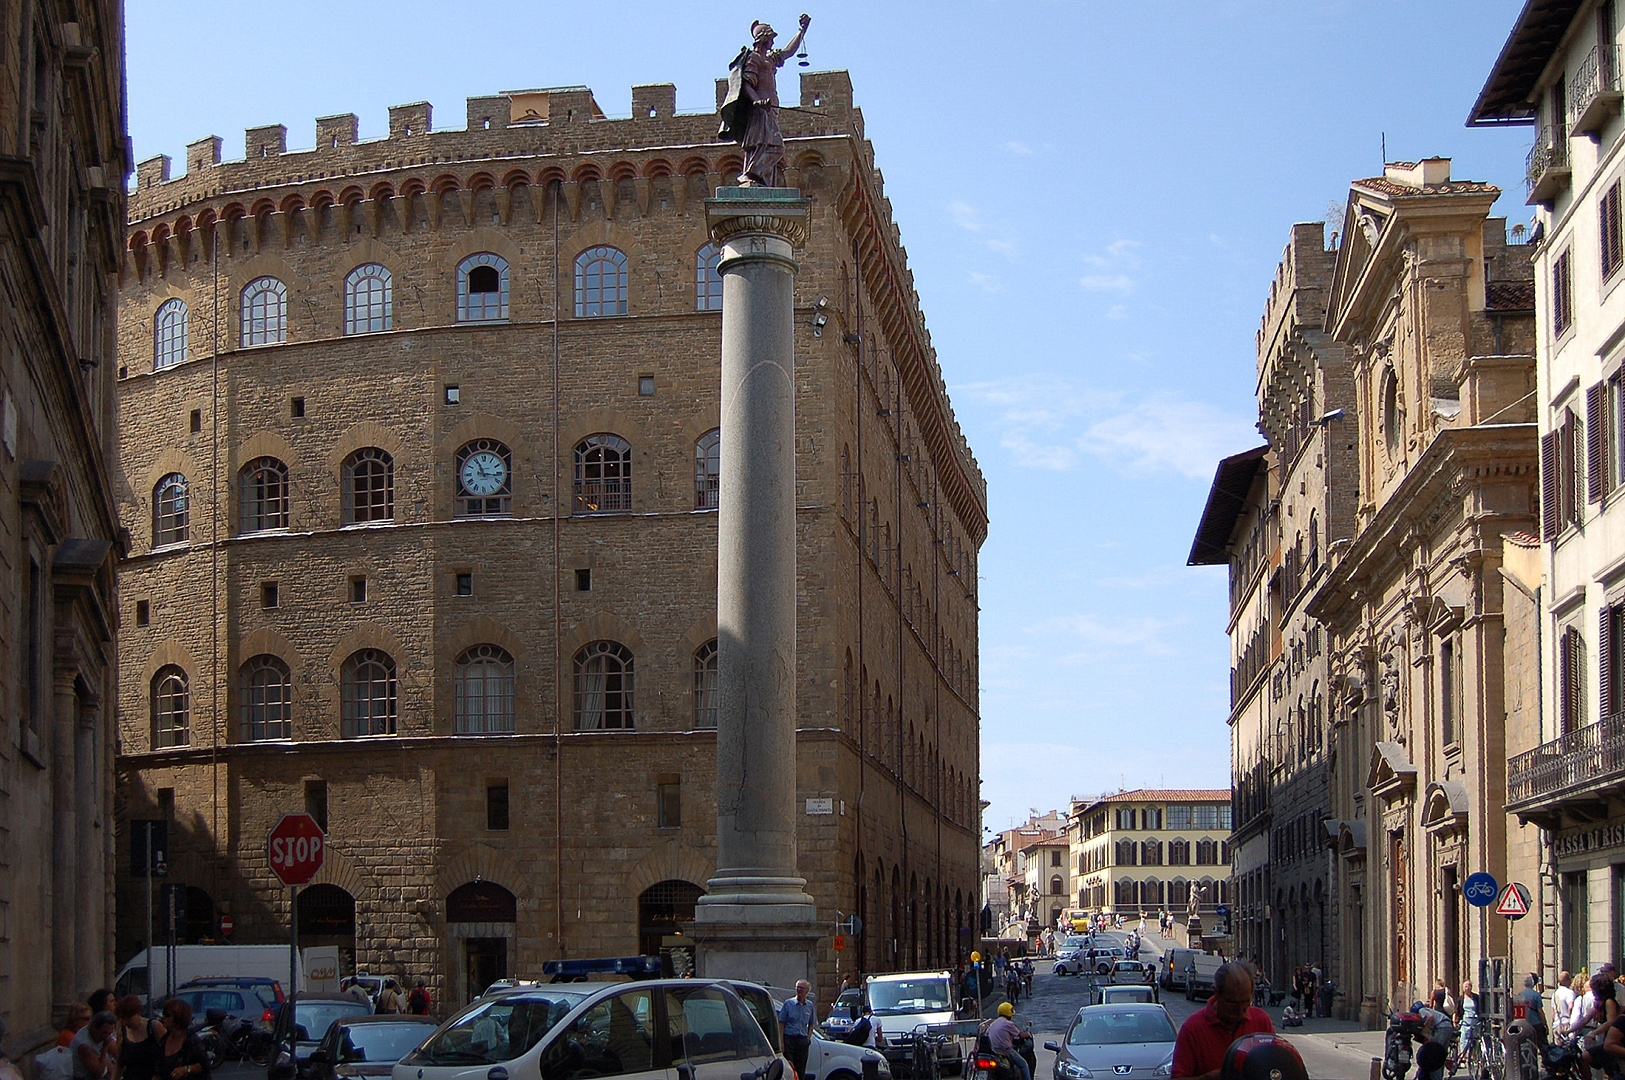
(1485, 1057)
(923, 1063)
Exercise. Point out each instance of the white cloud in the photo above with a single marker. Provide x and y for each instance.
(970, 219)
(1167, 434)
(1118, 282)
(1020, 149)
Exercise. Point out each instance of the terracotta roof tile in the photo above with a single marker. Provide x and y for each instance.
(1381, 185)
(1168, 795)
(1509, 296)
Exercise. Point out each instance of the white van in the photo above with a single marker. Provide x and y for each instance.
(911, 999)
(204, 962)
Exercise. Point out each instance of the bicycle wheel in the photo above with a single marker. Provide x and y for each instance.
(1494, 1057)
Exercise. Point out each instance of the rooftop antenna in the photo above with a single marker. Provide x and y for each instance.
(1385, 149)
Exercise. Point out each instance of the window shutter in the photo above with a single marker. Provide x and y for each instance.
(1568, 471)
(1596, 444)
(1605, 664)
(1548, 486)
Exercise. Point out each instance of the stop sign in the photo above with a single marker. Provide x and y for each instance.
(296, 848)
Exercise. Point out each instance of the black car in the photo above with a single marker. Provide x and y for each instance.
(309, 1017)
(367, 1045)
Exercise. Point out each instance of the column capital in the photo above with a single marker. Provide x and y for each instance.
(780, 213)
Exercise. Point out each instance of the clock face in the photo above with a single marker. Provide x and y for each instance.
(484, 473)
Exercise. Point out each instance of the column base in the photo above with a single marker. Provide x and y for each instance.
(773, 954)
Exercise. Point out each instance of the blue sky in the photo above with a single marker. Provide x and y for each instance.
(1094, 197)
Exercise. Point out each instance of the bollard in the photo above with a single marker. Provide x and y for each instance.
(1513, 1037)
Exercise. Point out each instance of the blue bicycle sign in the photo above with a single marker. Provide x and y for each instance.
(1481, 889)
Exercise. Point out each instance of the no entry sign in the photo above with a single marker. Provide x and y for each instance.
(296, 848)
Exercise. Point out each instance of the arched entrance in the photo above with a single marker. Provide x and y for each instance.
(482, 921)
(327, 917)
(665, 910)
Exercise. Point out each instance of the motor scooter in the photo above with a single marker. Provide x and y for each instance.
(1403, 1028)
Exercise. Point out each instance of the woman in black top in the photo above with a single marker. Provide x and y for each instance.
(138, 1040)
(180, 1055)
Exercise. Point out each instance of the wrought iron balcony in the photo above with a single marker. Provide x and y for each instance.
(1547, 167)
(1579, 762)
(1594, 95)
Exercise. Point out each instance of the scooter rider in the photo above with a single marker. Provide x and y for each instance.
(1002, 1034)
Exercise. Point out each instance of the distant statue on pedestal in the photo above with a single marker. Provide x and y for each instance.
(750, 111)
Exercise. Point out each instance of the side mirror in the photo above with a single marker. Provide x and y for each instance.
(1052, 1048)
(775, 1070)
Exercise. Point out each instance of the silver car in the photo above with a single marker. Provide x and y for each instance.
(1116, 1042)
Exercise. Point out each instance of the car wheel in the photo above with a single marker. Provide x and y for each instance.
(1103, 968)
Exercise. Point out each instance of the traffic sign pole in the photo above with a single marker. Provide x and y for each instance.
(293, 969)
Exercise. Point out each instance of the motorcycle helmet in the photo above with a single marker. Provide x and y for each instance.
(1006, 1010)
(1416, 1006)
(1262, 1057)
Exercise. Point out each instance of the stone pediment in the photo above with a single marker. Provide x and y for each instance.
(1445, 805)
(1351, 839)
(1391, 771)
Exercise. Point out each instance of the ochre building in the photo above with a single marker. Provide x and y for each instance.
(419, 468)
(63, 163)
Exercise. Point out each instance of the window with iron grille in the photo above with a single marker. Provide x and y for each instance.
(600, 282)
(370, 692)
(707, 279)
(705, 685)
(369, 486)
(369, 300)
(171, 511)
(264, 312)
(169, 334)
(482, 288)
(484, 478)
(1612, 238)
(171, 708)
(266, 699)
(603, 686)
(707, 469)
(603, 475)
(484, 691)
(264, 488)
(1562, 295)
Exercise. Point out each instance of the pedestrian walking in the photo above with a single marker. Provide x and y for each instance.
(181, 1056)
(798, 1016)
(138, 1039)
(417, 1002)
(389, 998)
(1563, 1000)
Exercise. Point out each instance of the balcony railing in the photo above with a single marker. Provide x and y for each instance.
(1547, 167)
(1594, 95)
(1592, 756)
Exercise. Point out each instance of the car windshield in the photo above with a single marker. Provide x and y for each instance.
(313, 1018)
(1106, 1028)
(385, 1043)
(901, 996)
(498, 1029)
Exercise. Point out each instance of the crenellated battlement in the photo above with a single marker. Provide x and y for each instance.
(519, 123)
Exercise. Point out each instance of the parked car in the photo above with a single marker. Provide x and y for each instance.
(1074, 963)
(1101, 959)
(1131, 1042)
(840, 1020)
(568, 1031)
(309, 1017)
(256, 1004)
(367, 1045)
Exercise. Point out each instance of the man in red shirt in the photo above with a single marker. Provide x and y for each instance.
(1228, 1015)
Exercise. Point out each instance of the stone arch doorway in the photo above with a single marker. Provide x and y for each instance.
(665, 910)
(327, 917)
(482, 921)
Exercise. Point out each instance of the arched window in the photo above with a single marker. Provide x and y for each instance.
(1179, 894)
(1151, 893)
(600, 282)
(1057, 887)
(370, 694)
(171, 708)
(484, 704)
(264, 489)
(1179, 853)
(264, 309)
(1207, 853)
(705, 685)
(603, 686)
(369, 486)
(603, 475)
(482, 288)
(1151, 853)
(169, 334)
(1125, 852)
(707, 279)
(171, 511)
(484, 470)
(266, 693)
(707, 469)
(1123, 894)
(369, 300)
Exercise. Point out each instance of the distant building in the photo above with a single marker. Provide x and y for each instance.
(63, 163)
(1142, 852)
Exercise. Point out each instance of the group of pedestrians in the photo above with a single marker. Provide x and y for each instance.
(104, 1038)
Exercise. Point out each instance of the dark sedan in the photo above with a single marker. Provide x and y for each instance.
(310, 1018)
(367, 1045)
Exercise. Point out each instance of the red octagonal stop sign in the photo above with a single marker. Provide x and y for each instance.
(296, 848)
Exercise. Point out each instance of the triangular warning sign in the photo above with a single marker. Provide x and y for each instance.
(1512, 904)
